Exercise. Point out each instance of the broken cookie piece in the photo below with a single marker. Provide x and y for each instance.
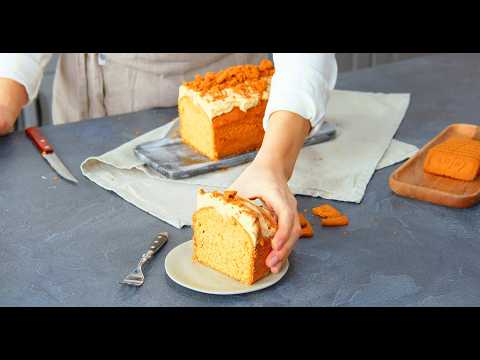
(307, 229)
(331, 217)
(335, 221)
(326, 211)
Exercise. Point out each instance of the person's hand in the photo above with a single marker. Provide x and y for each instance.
(267, 178)
(7, 120)
(265, 181)
(12, 98)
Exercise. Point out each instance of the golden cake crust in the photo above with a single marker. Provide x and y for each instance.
(226, 135)
(221, 114)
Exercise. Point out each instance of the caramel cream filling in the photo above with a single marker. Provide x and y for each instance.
(237, 210)
(216, 107)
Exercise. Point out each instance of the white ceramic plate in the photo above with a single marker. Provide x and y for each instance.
(182, 270)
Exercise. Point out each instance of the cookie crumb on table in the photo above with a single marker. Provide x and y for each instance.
(331, 217)
(335, 221)
(307, 229)
(326, 211)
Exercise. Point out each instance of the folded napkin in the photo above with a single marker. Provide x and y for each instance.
(337, 170)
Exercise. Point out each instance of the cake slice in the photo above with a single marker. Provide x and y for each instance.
(221, 114)
(232, 235)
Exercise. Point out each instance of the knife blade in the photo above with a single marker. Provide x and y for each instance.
(46, 150)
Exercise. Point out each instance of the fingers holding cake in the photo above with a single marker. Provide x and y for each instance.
(288, 232)
(285, 208)
(280, 254)
(266, 183)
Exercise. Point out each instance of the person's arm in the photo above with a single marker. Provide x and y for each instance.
(302, 84)
(20, 78)
(298, 100)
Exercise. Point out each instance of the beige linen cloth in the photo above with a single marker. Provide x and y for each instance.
(337, 170)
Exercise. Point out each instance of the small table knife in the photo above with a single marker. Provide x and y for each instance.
(48, 154)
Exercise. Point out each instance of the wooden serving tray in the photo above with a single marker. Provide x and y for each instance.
(411, 181)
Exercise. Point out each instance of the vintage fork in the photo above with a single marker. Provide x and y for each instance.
(136, 277)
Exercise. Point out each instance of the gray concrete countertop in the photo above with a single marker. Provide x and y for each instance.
(67, 245)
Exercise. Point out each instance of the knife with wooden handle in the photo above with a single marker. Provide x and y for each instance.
(35, 134)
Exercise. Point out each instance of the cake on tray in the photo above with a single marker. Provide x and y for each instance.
(221, 114)
(232, 235)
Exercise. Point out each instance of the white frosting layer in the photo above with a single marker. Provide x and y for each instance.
(214, 108)
(237, 211)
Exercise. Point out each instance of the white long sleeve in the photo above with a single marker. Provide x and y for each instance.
(302, 84)
(26, 69)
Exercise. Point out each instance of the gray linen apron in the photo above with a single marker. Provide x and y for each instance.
(97, 85)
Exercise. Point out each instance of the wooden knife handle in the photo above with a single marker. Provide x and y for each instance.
(35, 134)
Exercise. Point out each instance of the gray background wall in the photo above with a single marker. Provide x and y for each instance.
(39, 112)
